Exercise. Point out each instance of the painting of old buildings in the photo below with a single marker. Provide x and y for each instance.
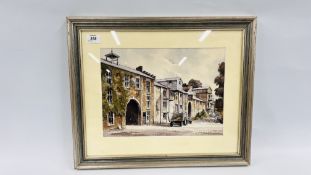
(154, 99)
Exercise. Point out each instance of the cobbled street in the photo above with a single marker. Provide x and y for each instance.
(197, 128)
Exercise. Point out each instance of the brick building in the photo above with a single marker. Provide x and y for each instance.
(205, 94)
(135, 97)
(127, 94)
(176, 98)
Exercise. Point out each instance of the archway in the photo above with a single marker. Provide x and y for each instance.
(132, 112)
(189, 110)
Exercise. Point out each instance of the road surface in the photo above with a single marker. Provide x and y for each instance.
(197, 128)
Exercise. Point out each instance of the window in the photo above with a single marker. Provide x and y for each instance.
(171, 94)
(110, 118)
(137, 82)
(108, 76)
(148, 86)
(164, 93)
(147, 117)
(148, 101)
(180, 108)
(164, 105)
(126, 81)
(109, 96)
(164, 116)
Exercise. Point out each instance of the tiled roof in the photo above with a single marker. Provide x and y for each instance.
(170, 78)
(196, 98)
(182, 91)
(159, 84)
(201, 88)
(127, 69)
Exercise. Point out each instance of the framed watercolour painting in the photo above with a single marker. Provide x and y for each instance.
(161, 91)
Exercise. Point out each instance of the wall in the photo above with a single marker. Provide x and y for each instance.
(35, 127)
(157, 104)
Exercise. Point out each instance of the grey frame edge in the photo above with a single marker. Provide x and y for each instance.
(247, 23)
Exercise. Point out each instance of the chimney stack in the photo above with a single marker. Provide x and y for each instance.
(139, 68)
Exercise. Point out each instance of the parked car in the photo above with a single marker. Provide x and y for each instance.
(180, 119)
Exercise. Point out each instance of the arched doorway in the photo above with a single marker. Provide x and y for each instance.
(132, 112)
(189, 110)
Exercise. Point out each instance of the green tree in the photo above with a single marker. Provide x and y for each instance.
(185, 87)
(195, 83)
(120, 94)
(219, 91)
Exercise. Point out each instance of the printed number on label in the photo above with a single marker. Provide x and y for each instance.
(93, 39)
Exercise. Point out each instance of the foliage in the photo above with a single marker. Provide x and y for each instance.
(219, 91)
(106, 107)
(132, 83)
(221, 68)
(219, 103)
(185, 87)
(120, 95)
(195, 83)
(201, 115)
(220, 80)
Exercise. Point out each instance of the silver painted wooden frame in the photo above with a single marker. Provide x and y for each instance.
(246, 23)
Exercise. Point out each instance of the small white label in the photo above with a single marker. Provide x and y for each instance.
(93, 39)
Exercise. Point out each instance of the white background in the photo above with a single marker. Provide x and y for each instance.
(35, 125)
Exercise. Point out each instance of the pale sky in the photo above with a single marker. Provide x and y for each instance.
(200, 64)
